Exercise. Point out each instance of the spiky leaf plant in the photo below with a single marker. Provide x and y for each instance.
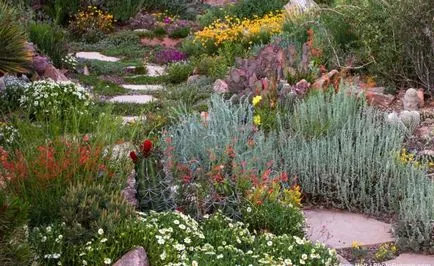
(15, 56)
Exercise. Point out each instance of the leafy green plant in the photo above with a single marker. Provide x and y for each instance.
(159, 32)
(178, 72)
(15, 56)
(123, 10)
(179, 33)
(14, 248)
(50, 40)
(86, 208)
(60, 11)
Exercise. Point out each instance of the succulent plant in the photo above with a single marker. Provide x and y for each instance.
(275, 61)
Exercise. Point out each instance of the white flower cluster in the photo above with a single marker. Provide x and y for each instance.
(8, 134)
(70, 62)
(48, 97)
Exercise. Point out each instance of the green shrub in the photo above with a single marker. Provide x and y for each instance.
(43, 99)
(15, 56)
(159, 32)
(60, 11)
(175, 7)
(180, 33)
(87, 208)
(179, 72)
(14, 248)
(123, 10)
(274, 217)
(251, 8)
(50, 40)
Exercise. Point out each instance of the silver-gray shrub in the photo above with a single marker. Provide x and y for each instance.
(344, 154)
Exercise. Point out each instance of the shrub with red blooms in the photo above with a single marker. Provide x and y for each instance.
(41, 176)
(146, 147)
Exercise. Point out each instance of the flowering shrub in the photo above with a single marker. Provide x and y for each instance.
(10, 97)
(40, 176)
(169, 56)
(45, 98)
(8, 135)
(70, 62)
(172, 238)
(247, 31)
(91, 23)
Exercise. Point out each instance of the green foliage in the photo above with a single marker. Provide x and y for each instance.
(14, 248)
(123, 10)
(175, 7)
(15, 56)
(159, 32)
(60, 11)
(274, 217)
(179, 33)
(179, 72)
(123, 43)
(172, 237)
(214, 67)
(88, 207)
(102, 87)
(50, 40)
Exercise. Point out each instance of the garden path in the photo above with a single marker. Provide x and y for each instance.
(338, 229)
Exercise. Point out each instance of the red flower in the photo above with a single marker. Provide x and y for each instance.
(134, 157)
(146, 147)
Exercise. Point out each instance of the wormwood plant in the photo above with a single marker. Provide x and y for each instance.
(342, 152)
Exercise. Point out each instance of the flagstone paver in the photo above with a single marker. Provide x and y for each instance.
(142, 87)
(141, 99)
(411, 259)
(96, 56)
(338, 229)
(155, 70)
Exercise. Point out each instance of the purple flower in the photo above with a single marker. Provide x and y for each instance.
(167, 20)
(169, 55)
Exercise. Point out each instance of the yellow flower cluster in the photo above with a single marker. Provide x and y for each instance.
(92, 18)
(408, 158)
(233, 29)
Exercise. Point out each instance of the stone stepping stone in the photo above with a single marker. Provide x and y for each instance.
(155, 70)
(142, 87)
(411, 259)
(96, 56)
(140, 99)
(338, 229)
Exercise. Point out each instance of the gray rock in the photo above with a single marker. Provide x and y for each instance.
(2, 84)
(40, 64)
(411, 100)
(220, 86)
(130, 191)
(195, 79)
(135, 257)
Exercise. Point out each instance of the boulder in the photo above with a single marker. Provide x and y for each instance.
(194, 79)
(326, 80)
(130, 191)
(379, 99)
(40, 64)
(135, 257)
(296, 7)
(2, 84)
(220, 86)
(53, 73)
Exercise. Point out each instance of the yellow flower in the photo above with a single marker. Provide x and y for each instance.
(257, 120)
(356, 244)
(256, 100)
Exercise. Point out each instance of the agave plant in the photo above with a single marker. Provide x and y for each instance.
(15, 56)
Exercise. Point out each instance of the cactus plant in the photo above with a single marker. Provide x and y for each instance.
(153, 191)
